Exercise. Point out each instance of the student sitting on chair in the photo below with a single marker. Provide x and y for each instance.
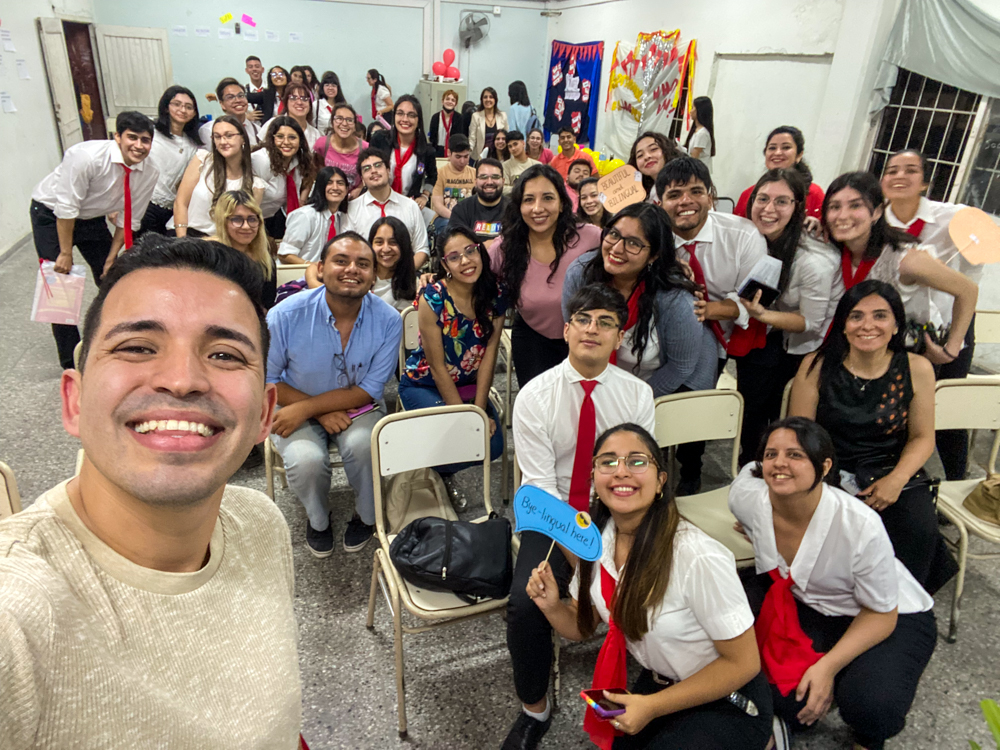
(311, 226)
(333, 349)
(842, 618)
(557, 417)
(672, 599)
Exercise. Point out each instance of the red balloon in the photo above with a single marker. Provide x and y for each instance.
(448, 57)
(439, 68)
(452, 72)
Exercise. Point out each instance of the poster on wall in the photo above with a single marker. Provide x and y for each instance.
(645, 85)
(572, 91)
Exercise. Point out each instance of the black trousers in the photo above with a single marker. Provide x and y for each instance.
(718, 725)
(953, 445)
(689, 455)
(529, 635)
(911, 523)
(93, 239)
(761, 378)
(275, 225)
(155, 220)
(875, 691)
(533, 352)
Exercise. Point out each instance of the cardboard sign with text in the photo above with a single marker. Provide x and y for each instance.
(621, 188)
(537, 510)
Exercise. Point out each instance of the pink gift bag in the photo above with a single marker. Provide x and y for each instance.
(58, 296)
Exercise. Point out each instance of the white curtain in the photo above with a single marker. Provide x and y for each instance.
(952, 41)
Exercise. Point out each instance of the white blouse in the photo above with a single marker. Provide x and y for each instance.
(704, 602)
(382, 98)
(170, 155)
(311, 133)
(815, 285)
(383, 290)
(845, 560)
(275, 193)
(916, 297)
(200, 206)
(306, 231)
(249, 126)
(650, 356)
(322, 113)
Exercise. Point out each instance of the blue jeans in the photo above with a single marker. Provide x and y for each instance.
(424, 397)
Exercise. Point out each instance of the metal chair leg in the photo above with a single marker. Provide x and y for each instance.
(397, 625)
(376, 567)
(556, 672)
(956, 602)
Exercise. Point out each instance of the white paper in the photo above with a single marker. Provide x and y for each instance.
(22, 70)
(249, 35)
(272, 36)
(179, 30)
(225, 33)
(202, 31)
(766, 271)
(295, 37)
(8, 40)
(6, 103)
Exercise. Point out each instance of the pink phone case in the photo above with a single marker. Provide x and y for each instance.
(355, 413)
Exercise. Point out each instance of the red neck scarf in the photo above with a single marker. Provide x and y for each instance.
(916, 228)
(850, 279)
(611, 670)
(633, 314)
(291, 192)
(374, 110)
(786, 652)
(446, 124)
(397, 173)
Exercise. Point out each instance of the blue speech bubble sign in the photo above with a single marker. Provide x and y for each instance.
(537, 510)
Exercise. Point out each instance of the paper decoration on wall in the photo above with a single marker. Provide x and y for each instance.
(621, 188)
(250, 35)
(8, 40)
(202, 31)
(537, 510)
(272, 36)
(22, 70)
(976, 236)
(6, 103)
(645, 84)
(226, 18)
(248, 20)
(295, 37)
(179, 30)
(225, 34)
(574, 73)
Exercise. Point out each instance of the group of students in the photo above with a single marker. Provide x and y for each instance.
(631, 307)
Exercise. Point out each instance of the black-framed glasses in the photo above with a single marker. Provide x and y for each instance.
(234, 97)
(296, 98)
(635, 463)
(633, 245)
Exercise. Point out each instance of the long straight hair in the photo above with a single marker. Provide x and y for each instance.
(706, 118)
(496, 99)
(581, 215)
(420, 135)
(785, 246)
(643, 581)
(500, 155)
(225, 207)
(485, 291)
(219, 163)
(514, 245)
(527, 148)
(800, 146)
(306, 165)
(871, 193)
(404, 278)
(317, 198)
(333, 79)
(670, 152)
(270, 84)
(661, 273)
(163, 115)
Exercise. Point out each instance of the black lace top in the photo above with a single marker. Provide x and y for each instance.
(867, 419)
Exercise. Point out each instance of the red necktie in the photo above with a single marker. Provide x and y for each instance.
(699, 279)
(397, 175)
(381, 206)
(128, 208)
(786, 652)
(333, 227)
(611, 670)
(374, 110)
(633, 314)
(858, 276)
(291, 193)
(586, 434)
(916, 228)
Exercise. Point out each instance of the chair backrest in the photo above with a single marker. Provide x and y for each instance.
(10, 498)
(290, 272)
(700, 415)
(421, 438)
(786, 397)
(969, 404)
(988, 326)
(411, 336)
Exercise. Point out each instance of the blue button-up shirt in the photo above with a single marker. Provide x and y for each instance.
(306, 353)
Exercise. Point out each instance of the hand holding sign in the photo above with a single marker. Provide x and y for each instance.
(537, 510)
(621, 188)
(976, 236)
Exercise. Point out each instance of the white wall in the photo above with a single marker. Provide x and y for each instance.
(29, 137)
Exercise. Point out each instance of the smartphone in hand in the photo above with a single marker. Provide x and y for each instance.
(604, 708)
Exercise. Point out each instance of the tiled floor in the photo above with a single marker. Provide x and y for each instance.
(459, 685)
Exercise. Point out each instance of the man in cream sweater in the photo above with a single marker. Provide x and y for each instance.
(145, 603)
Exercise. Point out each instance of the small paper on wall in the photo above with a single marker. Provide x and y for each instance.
(226, 18)
(203, 32)
(6, 103)
(272, 36)
(179, 30)
(22, 70)
(8, 40)
(248, 20)
(295, 37)
(250, 35)
(225, 34)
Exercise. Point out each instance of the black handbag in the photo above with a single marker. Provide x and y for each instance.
(471, 560)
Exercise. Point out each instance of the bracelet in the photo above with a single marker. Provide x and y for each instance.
(180, 226)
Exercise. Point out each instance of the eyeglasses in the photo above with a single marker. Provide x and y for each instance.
(407, 115)
(343, 120)
(234, 97)
(277, 74)
(636, 463)
(225, 137)
(183, 106)
(469, 251)
(369, 167)
(782, 201)
(238, 221)
(489, 177)
(583, 320)
(298, 99)
(632, 245)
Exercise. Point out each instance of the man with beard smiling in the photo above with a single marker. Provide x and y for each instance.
(333, 348)
(483, 211)
(145, 603)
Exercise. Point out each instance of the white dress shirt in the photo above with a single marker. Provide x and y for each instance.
(311, 133)
(306, 231)
(409, 170)
(935, 238)
(383, 290)
(322, 113)
(90, 182)
(815, 284)
(547, 416)
(728, 247)
(916, 297)
(200, 205)
(704, 602)
(845, 560)
(170, 155)
(275, 194)
(362, 213)
(249, 126)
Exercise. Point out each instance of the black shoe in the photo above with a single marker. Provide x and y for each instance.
(320, 543)
(357, 535)
(688, 487)
(526, 733)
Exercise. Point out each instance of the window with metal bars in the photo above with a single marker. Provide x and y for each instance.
(677, 123)
(934, 118)
(982, 186)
